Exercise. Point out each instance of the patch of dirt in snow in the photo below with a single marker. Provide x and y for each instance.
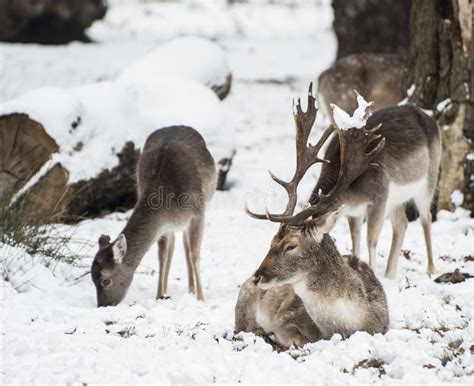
(55, 333)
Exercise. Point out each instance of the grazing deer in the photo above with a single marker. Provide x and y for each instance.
(304, 289)
(379, 77)
(176, 178)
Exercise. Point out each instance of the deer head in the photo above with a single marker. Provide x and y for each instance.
(110, 274)
(300, 238)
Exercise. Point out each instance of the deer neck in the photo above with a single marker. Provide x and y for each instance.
(322, 271)
(143, 228)
(325, 293)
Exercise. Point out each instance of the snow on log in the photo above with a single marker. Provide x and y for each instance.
(190, 57)
(85, 128)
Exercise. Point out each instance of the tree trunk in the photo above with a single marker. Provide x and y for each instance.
(46, 21)
(440, 79)
(379, 26)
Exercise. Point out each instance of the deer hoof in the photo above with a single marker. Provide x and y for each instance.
(431, 271)
(390, 275)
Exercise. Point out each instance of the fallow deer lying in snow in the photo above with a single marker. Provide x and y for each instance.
(379, 77)
(304, 289)
(176, 178)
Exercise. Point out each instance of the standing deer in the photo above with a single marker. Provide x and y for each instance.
(176, 177)
(379, 77)
(408, 171)
(304, 289)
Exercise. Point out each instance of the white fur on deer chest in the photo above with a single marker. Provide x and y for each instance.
(340, 315)
(263, 319)
(355, 211)
(398, 194)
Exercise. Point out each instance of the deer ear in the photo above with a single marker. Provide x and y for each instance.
(119, 248)
(323, 224)
(330, 219)
(104, 240)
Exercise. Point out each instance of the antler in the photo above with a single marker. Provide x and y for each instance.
(306, 155)
(358, 147)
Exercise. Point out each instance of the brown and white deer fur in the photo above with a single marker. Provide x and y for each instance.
(408, 170)
(304, 289)
(379, 77)
(176, 177)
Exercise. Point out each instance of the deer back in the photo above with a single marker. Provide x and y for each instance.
(411, 152)
(176, 164)
(379, 77)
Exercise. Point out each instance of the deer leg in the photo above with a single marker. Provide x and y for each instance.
(355, 225)
(188, 262)
(168, 260)
(423, 205)
(290, 336)
(399, 225)
(163, 244)
(426, 224)
(375, 218)
(196, 229)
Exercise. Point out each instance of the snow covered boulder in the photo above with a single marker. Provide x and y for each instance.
(190, 57)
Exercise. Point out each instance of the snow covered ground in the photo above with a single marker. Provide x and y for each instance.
(53, 333)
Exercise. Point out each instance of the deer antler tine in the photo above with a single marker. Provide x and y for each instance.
(377, 148)
(277, 180)
(327, 133)
(267, 214)
(326, 161)
(297, 108)
(310, 91)
(253, 214)
(306, 156)
(374, 129)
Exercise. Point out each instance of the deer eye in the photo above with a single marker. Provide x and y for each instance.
(105, 282)
(290, 247)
